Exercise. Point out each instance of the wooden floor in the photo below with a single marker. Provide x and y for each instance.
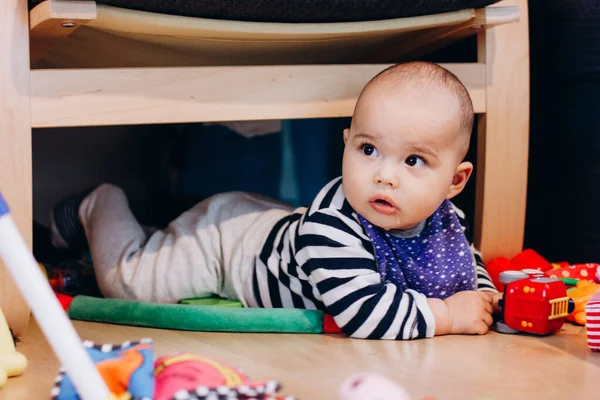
(311, 367)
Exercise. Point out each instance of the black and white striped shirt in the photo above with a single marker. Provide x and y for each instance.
(321, 258)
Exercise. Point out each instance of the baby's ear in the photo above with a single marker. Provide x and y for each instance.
(346, 134)
(460, 178)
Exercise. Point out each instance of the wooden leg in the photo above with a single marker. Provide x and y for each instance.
(15, 143)
(503, 138)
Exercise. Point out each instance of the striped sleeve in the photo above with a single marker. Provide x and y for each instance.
(484, 282)
(330, 250)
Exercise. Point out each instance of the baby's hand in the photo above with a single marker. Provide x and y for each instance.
(470, 312)
(496, 297)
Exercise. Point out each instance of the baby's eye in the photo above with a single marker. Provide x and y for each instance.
(369, 150)
(415, 161)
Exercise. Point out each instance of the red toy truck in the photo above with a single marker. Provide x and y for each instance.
(533, 303)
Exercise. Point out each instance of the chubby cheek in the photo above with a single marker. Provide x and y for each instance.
(352, 191)
(423, 200)
(355, 176)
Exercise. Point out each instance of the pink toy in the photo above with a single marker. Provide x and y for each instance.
(371, 387)
(188, 376)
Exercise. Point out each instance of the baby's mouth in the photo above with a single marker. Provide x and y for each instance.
(383, 205)
(384, 202)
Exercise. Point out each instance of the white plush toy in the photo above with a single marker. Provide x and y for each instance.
(371, 387)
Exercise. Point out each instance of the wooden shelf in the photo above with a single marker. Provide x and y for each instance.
(191, 94)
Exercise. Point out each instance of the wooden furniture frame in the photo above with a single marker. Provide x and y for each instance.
(30, 98)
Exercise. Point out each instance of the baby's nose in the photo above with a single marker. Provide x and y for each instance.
(388, 180)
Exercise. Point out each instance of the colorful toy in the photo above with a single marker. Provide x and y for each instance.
(12, 363)
(588, 271)
(188, 376)
(127, 369)
(131, 373)
(580, 296)
(592, 324)
(527, 259)
(72, 277)
(530, 260)
(532, 303)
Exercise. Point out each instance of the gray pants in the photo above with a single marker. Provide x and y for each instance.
(209, 249)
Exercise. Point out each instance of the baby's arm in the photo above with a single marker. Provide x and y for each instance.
(364, 307)
(330, 250)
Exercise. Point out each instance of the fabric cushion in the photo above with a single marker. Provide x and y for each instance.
(296, 10)
(196, 318)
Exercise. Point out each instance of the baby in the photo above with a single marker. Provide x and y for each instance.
(381, 249)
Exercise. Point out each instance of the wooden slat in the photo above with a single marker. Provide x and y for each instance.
(123, 38)
(203, 94)
(503, 139)
(15, 143)
(414, 44)
(54, 20)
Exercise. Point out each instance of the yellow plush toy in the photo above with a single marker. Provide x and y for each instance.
(12, 363)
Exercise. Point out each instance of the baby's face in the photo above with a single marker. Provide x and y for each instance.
(401, 156)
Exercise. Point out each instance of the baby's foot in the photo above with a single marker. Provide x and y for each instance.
(66, 230)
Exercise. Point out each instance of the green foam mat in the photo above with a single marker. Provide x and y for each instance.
(196, 317)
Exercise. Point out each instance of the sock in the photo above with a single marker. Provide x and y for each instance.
(66, 229)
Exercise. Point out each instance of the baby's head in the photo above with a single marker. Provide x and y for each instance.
(404, 151)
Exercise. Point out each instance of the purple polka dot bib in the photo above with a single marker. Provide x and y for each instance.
(436, 262)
